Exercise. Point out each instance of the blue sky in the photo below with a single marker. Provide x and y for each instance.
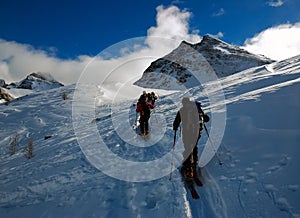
(87, 27)
(67, 30)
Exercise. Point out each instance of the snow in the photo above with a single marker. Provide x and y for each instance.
(259, 150)
(17, 93)
(38, 81)
(180, 67)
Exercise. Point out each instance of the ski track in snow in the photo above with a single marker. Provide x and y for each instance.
(253, 183)
(258, 179)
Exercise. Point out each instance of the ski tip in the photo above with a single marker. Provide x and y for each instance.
(195, 195)
(145, 135)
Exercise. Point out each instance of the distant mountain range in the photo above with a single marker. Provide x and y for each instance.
(175, 70)
(211, 54)
(35, 81)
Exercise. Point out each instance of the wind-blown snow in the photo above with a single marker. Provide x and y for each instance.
(260, 151)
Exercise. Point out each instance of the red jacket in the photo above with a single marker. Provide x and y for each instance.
(139, 108)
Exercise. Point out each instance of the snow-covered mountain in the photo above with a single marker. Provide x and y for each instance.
(34, 82)
(38, 81)
(178, 68)
(259, 149)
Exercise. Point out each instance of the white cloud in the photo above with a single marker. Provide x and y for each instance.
(278, 42)
(219, 13)
(173, 23)
(219, 35)
(277, 3)
(18, 60)
(177, 2)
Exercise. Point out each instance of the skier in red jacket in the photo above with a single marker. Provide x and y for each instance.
(143, 107)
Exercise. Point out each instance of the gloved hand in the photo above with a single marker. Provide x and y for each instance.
(205, 118)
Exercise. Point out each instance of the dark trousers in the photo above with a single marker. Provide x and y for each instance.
(192, 159)
(144, 124)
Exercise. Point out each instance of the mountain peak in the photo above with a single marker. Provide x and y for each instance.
(42, 76)
(206, 40)
(211, 40)
(223, 58)
(185, 43)
(39, 81)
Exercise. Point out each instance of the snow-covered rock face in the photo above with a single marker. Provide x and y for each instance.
(5, 96)
(38, 81)
(179, 67)
(2, 83)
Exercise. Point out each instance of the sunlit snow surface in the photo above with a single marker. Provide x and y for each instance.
(260, 152)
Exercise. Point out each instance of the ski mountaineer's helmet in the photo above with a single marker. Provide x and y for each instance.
(185, 100)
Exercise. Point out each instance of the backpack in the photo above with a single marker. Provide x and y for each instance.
(203, 118)
(189, 123)
(145, 109)
(189, 116)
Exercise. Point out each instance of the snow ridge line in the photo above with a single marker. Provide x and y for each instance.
(187, 206)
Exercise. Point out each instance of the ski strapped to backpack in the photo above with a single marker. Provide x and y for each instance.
(203, 118)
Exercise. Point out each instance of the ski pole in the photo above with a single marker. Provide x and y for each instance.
(173, 156)
(135, 122)
(213, 147)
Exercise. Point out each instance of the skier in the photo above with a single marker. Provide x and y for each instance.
(152, 97)
(145, 95)
(191, 116)
(143, 107)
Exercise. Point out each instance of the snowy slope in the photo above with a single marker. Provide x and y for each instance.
(261, 142)
(260, 151)
(34, 82)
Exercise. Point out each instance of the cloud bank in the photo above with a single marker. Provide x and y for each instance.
(18, 60)
(278, 42)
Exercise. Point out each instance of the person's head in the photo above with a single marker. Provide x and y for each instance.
(142, 98)
(144, 93)
(185, 100)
